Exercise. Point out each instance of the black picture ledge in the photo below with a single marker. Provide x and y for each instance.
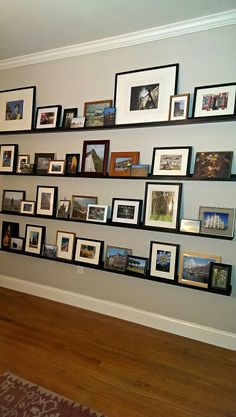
(126, 273)
(190, 120)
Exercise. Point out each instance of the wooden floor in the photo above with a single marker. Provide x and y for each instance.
(119, 368)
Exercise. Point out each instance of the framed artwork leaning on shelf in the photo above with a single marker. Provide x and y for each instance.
(9, 230)
(173, 161)
(179, 107)
(97, 213)
(137, 265)
(215, 164)
(34, 238)
(72, 163)
(79, 206)
(17, 244)
(214, 100)
(220, 277)
(89, 251)
(41, 162)
(68, 115)
(11, 200)
(65, 242)
(27, 207)
(56, 167)
(116, 258)
(46, 200)
(48, 117)
(8, 158)
(217, 221)
(127, 211)
(189, 226)
(49, 251)
(63, 209)
(95, 157)
(94, 112)
(121, 162)
(23, 161)
(164, 260)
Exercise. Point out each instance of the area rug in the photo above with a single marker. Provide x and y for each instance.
(21, 398)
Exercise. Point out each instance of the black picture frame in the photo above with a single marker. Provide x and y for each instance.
(214, 100)
(46, 200)
(9, 229)
(164, 261)
(88, 251)
(68, 115)
(126, 210)
(220, 277)
(137, 265)
(171, 161)
(48, 117)
(41, 162)
(8, 158)
(72, 164)
(34, 238)
(11, 200)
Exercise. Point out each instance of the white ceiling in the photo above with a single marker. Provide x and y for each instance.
(30, 26)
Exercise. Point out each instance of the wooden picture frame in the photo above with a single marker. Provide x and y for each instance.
(79, 206)
(94, 112)
(46, 200)
(164, 261)
(94, 158)
(48, 117)
(121, 162)
(11, 200)
(41, 162)
(179, 107)
(89, 251)
(8, 158)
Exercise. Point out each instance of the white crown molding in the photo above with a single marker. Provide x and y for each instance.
(156, 321)
(149, 35)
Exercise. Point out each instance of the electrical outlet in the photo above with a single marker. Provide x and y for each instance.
(80, 270)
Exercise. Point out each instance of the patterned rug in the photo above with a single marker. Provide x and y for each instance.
(20, 398)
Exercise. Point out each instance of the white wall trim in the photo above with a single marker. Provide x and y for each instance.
(148, 35)
(179, 327)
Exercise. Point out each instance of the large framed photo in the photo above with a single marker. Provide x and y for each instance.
(164, 260)
(171, 161)
(162, 205)
(17, 109)
(220, 277)
(89, 251)
(48, 117)
(94, 112)
(216, 164)
(79, 206)
(34, 238)
(121, 162)
(41, 162)
(46, 200)
(214, 100)
(8, 158)
(126, 211)
(97, 213)
(95, 157)
(179, 106)
(195, 268)
(217, 221)
(143, 95)
(65, 242)
(116, 258)
(11, 200)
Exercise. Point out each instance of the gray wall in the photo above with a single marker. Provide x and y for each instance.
(205, 58)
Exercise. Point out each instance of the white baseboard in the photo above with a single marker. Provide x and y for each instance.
(179, 327)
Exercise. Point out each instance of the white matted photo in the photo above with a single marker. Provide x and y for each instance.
(174, 161)
(97, 213)
(164, 260)
(126, 211)
(89, 251)
(65, 245)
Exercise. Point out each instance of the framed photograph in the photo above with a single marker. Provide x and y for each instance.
(116, 258)
(189, 226)
(77, 122)
(214, 100)
(97, 213)
(109, 116)
(46, 200)
(27, 169)
(34, 238)
(17, 244)
(89, 251)
(49, 251)
(220, 277)
(79, 206)
(95, 157)
(72, 163)
(171, 161)
(63, 209)
(56, 167)
(121, 162)
(11, 200)
(164, 260)
(41, 162)
(195, 268)
(22, 162)
(68, 115)
(65, 245)
(137, 265)
(94, 112)
(213, 164)
(126, 211)
(17, 109)
(179, 107)
(162, 205)
(27, 207)
(217, 221)
(8, 158)
(9, 230)
(48, 117)
(143, 95)
(139, 170)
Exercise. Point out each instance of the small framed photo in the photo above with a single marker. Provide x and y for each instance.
(89, 251)
(8, 157)
(109, 116)
(171, 161)
(95, 157)
(11, 200)
(164, 260)
(41, 162)
(137, 265)
(126, 211)
(48, 117)
(27, 207)
(9, 230)
(79, 206)
(17, 109)
(97, 213)
(195, 268)
(49, 251)
(65, 242)
(214, 100)
(94, 112)
(56, 167)
(179, 107)
(220, 277)
(22, 162)
(139, 170)
(34, 238)
(116, 258)
(77, 122)
(217, 221)
(46, 200)
(190, 226)
(121, 162)
(63, 209)
(216, 164)
(28, 169)
(72, 163)
(68, 115)
(162, 205)
(17, 244)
